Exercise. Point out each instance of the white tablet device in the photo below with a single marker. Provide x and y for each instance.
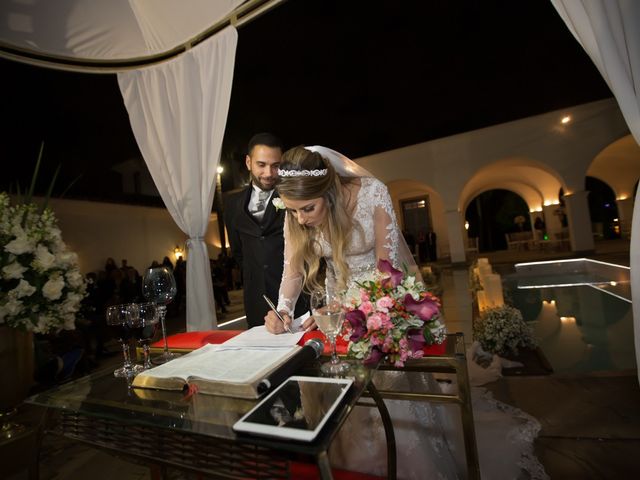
(297, 409)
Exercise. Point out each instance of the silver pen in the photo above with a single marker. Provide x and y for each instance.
(273, 307)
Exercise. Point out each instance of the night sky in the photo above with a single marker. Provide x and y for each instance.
(358, 76)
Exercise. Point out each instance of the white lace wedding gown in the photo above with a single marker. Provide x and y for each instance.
(428, 437)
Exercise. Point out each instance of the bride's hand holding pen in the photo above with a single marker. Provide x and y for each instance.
(277, 322)
(278, 325)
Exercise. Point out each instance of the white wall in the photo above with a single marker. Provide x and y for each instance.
(96, 230)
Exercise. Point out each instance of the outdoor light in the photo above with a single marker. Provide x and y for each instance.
(220, 169)
(566, 119)
(466, 225)
(178, 252)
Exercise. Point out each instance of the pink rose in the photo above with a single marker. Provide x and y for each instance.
(374, 322)
(386, 321)
(366, 307)
(384, 303)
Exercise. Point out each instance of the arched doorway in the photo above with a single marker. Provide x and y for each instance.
(494, 213)
(603, 209)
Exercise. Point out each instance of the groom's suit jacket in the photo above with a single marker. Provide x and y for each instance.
(258, 247)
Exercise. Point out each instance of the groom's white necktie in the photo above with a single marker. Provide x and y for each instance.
(262, 201)
(258, 204)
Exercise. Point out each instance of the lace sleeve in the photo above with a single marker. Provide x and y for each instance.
(291, 283)
(385, 224)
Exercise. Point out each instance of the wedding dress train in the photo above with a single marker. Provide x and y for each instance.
(429, 442)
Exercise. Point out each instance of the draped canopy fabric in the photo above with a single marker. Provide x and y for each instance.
(178, 111)
(609, 31)
(113, 30)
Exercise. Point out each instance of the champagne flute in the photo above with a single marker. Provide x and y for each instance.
(117, 319)
(329, 315)
(142, 323)
(159, 287)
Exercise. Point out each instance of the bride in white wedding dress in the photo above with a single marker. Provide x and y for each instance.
(338, 212)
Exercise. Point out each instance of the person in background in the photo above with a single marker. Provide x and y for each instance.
(219, 286)
(180, 274)
(110, 265)
(166, 262)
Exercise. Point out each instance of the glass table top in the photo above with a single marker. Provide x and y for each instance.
(104, 396)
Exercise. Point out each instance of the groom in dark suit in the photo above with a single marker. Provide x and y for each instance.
(255, 229)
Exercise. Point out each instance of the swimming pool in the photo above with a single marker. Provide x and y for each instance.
(580, 311)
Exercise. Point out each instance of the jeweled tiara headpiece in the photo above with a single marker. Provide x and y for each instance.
(318, 172)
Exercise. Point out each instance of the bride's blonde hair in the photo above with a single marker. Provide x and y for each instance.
(336, 227)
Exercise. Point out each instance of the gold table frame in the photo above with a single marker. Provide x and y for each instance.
(453, 361)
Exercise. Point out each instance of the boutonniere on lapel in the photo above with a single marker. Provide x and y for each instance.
(278, 203)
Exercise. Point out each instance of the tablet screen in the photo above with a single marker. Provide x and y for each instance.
(297, 409)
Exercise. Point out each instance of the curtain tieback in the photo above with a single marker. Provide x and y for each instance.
(191, 241)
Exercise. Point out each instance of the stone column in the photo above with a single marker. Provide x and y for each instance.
(625, 215)
(455, 228)
(580, 231)
(552, 221)
(537, 235)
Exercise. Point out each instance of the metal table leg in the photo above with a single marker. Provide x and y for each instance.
(324, 466)
(466, 412)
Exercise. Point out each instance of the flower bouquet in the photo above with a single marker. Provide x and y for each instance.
(391, 315)
(41, 287)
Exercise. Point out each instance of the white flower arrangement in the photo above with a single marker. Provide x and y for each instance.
(41, 287)
(278, 203)
(502, 330)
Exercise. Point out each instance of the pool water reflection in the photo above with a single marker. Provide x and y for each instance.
(580, 328)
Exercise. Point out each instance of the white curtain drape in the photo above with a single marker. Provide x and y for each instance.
(609, 31)
(178, 112)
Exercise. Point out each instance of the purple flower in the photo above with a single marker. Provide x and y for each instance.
(424, 309)
(374, 357)
(358, 322)
(416, 339)
(396, 275)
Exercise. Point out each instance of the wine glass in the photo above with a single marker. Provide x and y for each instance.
(118, 318)
(142, 323)
(329, 314)
(159, 287)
